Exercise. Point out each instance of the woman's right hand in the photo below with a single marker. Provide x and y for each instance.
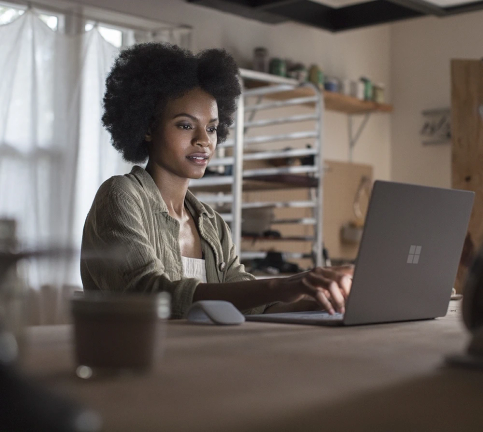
(329, 287)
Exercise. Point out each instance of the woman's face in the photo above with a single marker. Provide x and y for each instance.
(185, 139)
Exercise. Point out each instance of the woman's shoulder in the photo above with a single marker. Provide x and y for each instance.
(119, 185)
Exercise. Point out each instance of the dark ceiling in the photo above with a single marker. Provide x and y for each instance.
(334, 19)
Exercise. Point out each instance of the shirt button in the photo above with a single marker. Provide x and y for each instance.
(222, 266)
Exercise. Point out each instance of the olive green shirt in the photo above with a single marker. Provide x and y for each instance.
(129, 214)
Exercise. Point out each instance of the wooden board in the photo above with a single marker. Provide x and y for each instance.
(341, 181)
(467, 149)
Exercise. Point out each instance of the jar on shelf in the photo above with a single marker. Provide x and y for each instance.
(357, 89)
(346, 87)
(368, 90)
(260, 59)
(316, 76)
(378, 93)
(331, 84)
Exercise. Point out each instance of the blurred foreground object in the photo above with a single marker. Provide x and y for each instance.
(473, 316)
(13, 287)
(27, 407)
(118, 332)
(24, 405)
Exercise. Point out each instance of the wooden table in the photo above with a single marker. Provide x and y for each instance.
(279, 377)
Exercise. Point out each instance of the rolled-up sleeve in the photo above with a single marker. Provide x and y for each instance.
(118, 256)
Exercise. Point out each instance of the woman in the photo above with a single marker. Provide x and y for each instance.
(172, 108)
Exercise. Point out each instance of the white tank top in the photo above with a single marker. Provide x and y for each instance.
(194, 268)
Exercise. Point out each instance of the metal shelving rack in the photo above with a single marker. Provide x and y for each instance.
(272, 92)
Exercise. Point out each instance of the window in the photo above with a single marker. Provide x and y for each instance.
(115, 36)
(51, 20)
(9, 13)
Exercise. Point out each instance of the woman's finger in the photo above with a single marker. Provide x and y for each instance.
(319, 296)
(331, 282)
(337, 299)
(343, 280)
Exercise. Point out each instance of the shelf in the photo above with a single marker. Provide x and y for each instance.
(260, 182)
(276, 154)
(333, 101)
(298, 221)
(351, 105)
(288, 238)
(262, 254)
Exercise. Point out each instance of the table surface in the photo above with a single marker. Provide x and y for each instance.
(280, 377)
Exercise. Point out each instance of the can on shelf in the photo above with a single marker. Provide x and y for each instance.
(278, 67)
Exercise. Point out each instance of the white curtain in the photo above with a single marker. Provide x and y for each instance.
(54, 152)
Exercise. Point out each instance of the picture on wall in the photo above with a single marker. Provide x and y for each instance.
(436, 126)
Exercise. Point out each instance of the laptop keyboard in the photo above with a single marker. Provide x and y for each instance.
(310, 315)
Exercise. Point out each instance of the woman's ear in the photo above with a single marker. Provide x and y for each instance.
(148, 137)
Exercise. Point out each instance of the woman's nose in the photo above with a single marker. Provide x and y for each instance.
(203, 139)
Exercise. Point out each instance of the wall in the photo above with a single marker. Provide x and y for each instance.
(420, 79)
(349, 54)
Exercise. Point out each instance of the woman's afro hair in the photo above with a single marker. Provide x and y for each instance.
(145, 76)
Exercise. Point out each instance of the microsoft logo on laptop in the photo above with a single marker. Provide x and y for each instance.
(414, 253)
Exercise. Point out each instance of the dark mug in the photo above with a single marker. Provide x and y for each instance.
(117, 332)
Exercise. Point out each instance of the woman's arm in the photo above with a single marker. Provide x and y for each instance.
(327, 287)
(324, 288)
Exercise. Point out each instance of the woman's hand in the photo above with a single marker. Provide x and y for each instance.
(329, 287)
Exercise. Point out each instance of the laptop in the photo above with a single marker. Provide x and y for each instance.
(407, 261)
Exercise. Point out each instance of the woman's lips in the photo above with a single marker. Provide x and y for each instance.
(200, 159)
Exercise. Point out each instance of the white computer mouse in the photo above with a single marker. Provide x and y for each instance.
(214, 311)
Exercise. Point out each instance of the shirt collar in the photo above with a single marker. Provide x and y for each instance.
(148, 184)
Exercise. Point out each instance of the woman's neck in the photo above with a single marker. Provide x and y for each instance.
(173, 189)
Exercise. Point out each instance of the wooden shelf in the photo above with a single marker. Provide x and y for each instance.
(351, 105)
(333, 101)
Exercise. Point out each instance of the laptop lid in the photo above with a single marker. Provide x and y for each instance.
(409, 253)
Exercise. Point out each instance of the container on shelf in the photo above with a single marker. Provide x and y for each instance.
(260, 59)
(316, 76)
(357, 89)
(331, 84)
(379, 93)
(299, 72)
(278, 67)
(345, 87)
(368, 88)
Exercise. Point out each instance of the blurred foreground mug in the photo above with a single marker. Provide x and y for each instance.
(118, 332)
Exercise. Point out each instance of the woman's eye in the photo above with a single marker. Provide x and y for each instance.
(212, 129)
(185, 126)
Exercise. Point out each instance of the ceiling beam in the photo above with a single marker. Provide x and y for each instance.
(241, 8)
(344, 18)
(421, 6)
(270, 4)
